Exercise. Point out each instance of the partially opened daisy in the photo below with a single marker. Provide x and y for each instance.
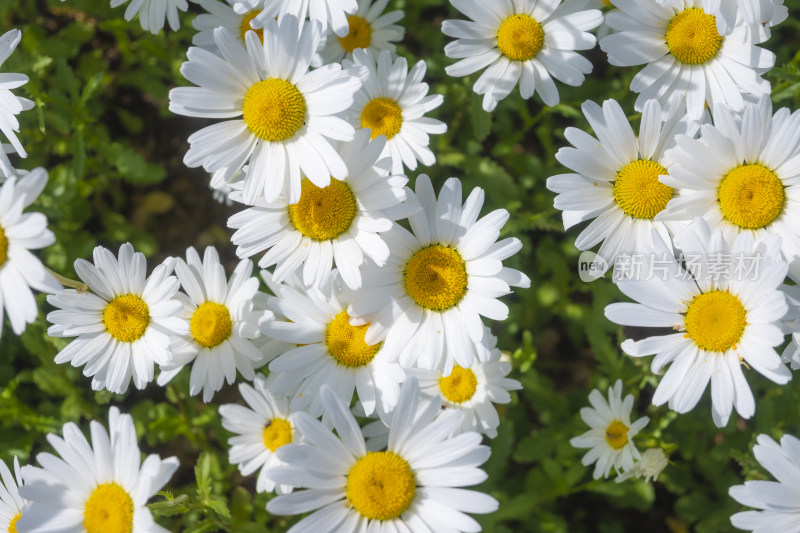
(102, 487)
(778, 502)
(369, 27)
(20, 270)
(425, 304)
(223, 323)
(339, 224)
(11, 503)
(328, 14)
(123, 323)
(283, 117)
(393, 102)
(153, 13)
(411, 486)
(685, 55)
(11, 105)
(223, 13)
(725, 310)
(527, 42)
(610, 438)
(616, 178)
(261, 428)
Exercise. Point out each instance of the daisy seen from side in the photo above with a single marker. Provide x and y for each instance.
(154, 13)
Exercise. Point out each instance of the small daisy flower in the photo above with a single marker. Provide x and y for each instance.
(778, 502)
(20, 270)
(224, 14)
(94, 488)
(417, 474)
(325, 13)
(525, 42)
(616, 180)
(791, 325)
(153, 13)
(12, 105)
(392, 102)
(11, 503)
(261, 428)
(222, 324)
(338, 224)
(722, 321)
(652, 462)
(282, 115)
(123, 324)
(369, 27)
(425, 304)
(611, 435)
(685, 55)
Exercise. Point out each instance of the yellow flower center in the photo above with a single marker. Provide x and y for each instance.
(274, 109)
(381, 486)
(715, 320)
(436, 277)
(638, 192)
(3, 247)
(12, 526)
(211, 324)
(126, 317)
(751, 196)
(359, 36)
(323, 213)
(383, 117)
(692, 36)
(520, 37)
(617, 434)
(244, 27)
(459, 386)
(346, 343)
(277, 433)
(109, 509)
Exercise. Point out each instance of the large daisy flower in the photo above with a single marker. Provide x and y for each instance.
(281, 113)
(261, 428)
(526, 41)
(339, 223)
(222, 324)
(410, 486)
(369, 27)
(21, 271)
(725, 307)
(616, 180)
(225, 14)
(685, 55)
(759, 15)
(94, 488)
(11, 105)
(331, 351)
(153, 13)
(11, 503)
(326, 13)
(123, 323)
(392, 102)
(426, 302)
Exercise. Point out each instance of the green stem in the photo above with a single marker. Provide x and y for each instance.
(77, 285)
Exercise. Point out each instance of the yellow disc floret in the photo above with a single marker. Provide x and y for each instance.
(274, 109)
(3, 247)
(277, 433)
(436, 277)
(359, 36)
(12, 526)
(244, 27)
(459, 386)
(520, 37)
(126, 317)
(323, 213)
(715, 320)
(638, 192)
(692, 36)
(617, 434)
(751, 196)
(381, 486)
(383, 117)
(346, 343)
(211, 324)
(109, 509)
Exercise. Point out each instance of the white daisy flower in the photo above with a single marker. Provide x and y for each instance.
(330, 351)
(224, 14)
(20, 270)
(281, 112)
(759, 15)
(525, 41)
(472, 391)
(392, 102)
(326, 13)
(649, 466)
(426, 302)
(723, 320)
(222, 324)
(686, 56)
(153, 13)
(408, 487)
(261, 428)
(369, 27)
(340, 223)
(791, 324)
(124, 324)
(616, 180)
(94, 488)
(11, 105)
(751, 185)
(11, 503)
(611, 435)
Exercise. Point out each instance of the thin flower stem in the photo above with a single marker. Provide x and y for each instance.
(77, 285)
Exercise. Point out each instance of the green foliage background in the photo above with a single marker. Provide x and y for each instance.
(114, 152)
